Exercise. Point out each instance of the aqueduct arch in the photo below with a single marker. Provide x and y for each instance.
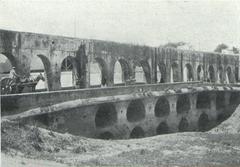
(162, 107)
(68, 72)
(162, 128)
(188, 73)
(183, 125)
(122, 71)
(237, 74)
(211, 73)
(229, 75)
(126, 69)
(220, 75)
(135, 111)
(200, 73)
(137, 132)
(106, 115)
(174, 73)
(95, 74)
(10, 59)
(203, 100)
(183, 104)
(104, 71)
(47, 71)
(6, 64)
(161, 73)
(118, 76)
(203, 122)
(147, 70)
(139, 75)
(37, 67)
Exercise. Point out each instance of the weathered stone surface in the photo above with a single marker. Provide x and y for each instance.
(117, 113)
(21, 145)
(22, 48)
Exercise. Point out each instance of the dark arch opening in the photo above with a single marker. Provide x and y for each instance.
(183, 125)
(211, 73)
(67, 64)
(220, 100)
(103, 67)
(137, 132)
(200, 73)
(106, 115)
(203, 122)
(162, 128)
(163, 73)
(234, 98)
(135, 111)
(203, 100)
(183, 104)
(106, 136)
(237, 74)
(162, 107)
(220, 74)
(229, 75)
(188, 73)
(174, 72)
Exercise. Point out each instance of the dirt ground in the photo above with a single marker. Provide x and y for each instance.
(29, 146)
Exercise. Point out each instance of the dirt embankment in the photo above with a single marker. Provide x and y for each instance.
(27, 145)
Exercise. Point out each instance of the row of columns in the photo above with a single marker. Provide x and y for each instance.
(52, 60)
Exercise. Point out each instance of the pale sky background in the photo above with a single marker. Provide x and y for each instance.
(203, 24)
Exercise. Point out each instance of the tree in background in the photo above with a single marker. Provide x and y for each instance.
(174, 44)
(220, 47)
(235, 50)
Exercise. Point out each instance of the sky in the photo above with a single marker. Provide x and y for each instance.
(203, 24)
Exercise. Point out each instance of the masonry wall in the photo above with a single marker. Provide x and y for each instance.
(167, 57)
(186, 112)
(13, 104)
(21, 48)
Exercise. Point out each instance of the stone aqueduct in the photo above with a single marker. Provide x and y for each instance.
(129, 111)
(149, 116)
(22, 48)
